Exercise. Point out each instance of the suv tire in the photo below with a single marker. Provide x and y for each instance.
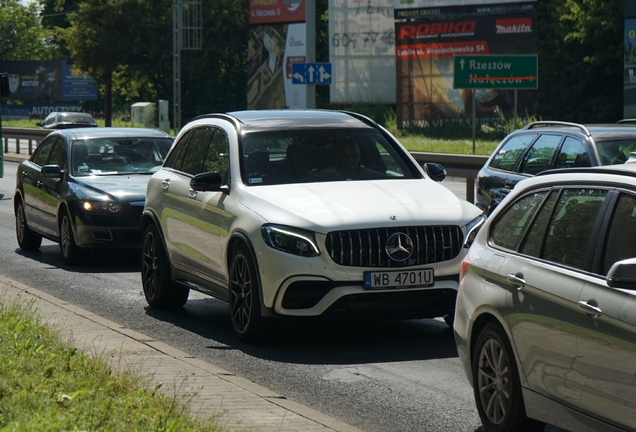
(160, 290)
(244, 296)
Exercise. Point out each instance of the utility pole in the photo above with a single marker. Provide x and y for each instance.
(187, 34)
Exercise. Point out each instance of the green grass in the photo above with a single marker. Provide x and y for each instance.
(420, 143)
(47, 385)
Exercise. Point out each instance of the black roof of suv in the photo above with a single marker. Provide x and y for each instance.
(544, 145)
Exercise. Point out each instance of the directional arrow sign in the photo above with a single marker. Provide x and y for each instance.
(496, 71)
(311, 73)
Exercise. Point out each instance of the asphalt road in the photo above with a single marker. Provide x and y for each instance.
(390, 376)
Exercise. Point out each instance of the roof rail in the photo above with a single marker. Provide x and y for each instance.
(558, 124)
(237, 123)
(627, 120)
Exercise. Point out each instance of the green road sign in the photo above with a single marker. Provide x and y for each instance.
(496, 71)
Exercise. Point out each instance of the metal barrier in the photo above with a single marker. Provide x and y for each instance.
(464, 166)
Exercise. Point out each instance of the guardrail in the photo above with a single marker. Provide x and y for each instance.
(464, 166)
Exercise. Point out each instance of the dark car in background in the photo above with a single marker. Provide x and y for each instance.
(67, 120)
(545, 322)
(85, 189)
(544, 145)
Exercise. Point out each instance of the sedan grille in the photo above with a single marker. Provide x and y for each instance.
(368, 248)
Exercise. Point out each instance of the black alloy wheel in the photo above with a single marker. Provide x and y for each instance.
(244, 297)
(27, 239)
(159, 289)
(496, 384)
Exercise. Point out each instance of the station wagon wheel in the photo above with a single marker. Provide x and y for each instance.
(496, 384)
(27, 239)
(71, 254)
(244, 302)
(159, 289)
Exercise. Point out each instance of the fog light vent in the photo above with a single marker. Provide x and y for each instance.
(103, 235)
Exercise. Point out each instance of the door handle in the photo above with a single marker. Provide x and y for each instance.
(590, 308)
(39, 184)
(192, 193)
(517, 280)
(165, 184)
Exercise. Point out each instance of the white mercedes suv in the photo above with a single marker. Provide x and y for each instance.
(302, 213)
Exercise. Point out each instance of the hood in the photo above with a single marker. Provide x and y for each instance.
(124, 188)
(359, 204)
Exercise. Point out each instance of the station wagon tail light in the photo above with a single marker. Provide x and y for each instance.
(472, 228)
(463, 268)
(291, 240)
(101, 206)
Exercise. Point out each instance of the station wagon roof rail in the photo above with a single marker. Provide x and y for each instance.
(627, 120)
(538, 124)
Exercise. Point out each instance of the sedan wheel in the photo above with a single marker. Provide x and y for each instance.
(27, 239)
(71, 254)
(160, 291)
(496, 384)
(244, 300)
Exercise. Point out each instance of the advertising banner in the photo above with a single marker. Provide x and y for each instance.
(271, 52)
(362, 51)
(629, 75)
(47, 80)
(276, 11)
(39, 111)
(427, 41)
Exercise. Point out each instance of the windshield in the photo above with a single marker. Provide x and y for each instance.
(113, 156)
(299, 156)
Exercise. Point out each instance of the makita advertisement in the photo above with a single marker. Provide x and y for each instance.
(427, 39)
(46, 81)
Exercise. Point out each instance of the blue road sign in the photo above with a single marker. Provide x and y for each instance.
(311, 73)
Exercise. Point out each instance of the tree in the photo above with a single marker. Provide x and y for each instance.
(22, 36)
(115, 40)
(581, 60)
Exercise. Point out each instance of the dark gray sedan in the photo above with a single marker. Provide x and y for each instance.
(85, 189)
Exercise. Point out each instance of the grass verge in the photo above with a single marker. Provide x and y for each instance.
(47, 385)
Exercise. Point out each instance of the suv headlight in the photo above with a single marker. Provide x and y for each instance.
(291, 240)
(100, 206)
(472, 228)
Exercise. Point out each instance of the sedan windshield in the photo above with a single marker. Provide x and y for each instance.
(310, 155)
(114, 156)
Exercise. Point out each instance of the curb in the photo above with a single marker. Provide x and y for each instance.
(208, 391)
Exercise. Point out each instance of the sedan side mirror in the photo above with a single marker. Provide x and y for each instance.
(52, 171)
(208, 182)
(623, 274)
(435, 171)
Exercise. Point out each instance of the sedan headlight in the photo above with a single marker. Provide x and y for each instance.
(472, 228)
(100, 206)
(291, 240)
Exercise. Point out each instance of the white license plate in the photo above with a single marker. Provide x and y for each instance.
(399, 279)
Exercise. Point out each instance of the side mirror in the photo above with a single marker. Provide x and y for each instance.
(623, 274)
(208, 182)
(435, 171)
(52, 171)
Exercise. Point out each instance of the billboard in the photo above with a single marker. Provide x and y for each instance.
(362, 51)
(276, 11)
(47, 80)
(629, 75)
(427, 40)
(271, 52)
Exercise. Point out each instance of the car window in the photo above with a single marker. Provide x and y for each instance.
(509, 228)
(571, 226)
(312, 155)
(58, 154)
(573, 154)
(50, 119)
(539, 157)
(41, 154)
(175, 158)
(619, 245)
(615, 151)
(196, 150)
(217, 154)
(533, 242)
(507, 156)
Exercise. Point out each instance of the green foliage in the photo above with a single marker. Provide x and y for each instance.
(22, 36)
(47, 385)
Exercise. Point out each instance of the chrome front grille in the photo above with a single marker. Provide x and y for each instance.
(367, 248)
